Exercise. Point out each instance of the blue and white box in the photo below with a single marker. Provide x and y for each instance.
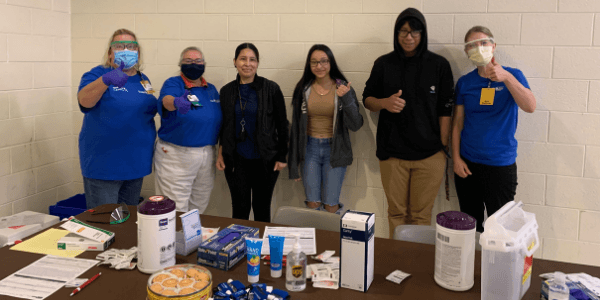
(357, 248)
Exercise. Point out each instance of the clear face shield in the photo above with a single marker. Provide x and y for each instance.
(117, 216)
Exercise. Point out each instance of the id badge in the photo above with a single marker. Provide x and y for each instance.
(194, 100)
(147, 86)
(487, 96)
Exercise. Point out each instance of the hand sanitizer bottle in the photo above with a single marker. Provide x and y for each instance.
(558, 290)
(295, 271)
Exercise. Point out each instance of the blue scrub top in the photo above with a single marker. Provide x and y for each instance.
(488, 135)
(117, 137)
(200, 126)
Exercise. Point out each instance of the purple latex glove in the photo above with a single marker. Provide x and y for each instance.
(182, 103)
(116, 77)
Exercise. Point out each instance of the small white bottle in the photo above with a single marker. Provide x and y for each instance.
(295, 271)
(558, 289)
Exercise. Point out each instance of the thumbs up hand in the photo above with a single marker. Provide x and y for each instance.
(496, 72)
(116, 77)
(182, 103)
(394, 103)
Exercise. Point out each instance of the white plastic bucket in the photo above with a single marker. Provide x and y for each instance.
(508, 242)
(455, 251)
(156, 239)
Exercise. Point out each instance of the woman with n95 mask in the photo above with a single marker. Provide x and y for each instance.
(484, 147)
(117, 136)
(184, 156)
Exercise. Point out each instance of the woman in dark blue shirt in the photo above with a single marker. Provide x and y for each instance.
(253, 137)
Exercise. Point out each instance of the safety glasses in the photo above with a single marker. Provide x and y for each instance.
(117, 216)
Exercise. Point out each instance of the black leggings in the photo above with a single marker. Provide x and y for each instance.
(251, 183)
(491, 186)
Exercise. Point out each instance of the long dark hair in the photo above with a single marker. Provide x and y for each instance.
(243, 46)
(308, 76)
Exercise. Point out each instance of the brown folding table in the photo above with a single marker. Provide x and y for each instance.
(415, 259)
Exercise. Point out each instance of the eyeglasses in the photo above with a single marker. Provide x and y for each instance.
(413, 33)
(479, 43)
(323, 62)
(198, 61)
(122, 45)
(117, 216)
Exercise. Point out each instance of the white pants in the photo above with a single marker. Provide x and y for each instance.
(185, 174)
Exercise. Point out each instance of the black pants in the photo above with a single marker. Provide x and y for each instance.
(489, 185)
(251, 183)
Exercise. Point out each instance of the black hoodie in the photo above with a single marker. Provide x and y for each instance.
(428, 88)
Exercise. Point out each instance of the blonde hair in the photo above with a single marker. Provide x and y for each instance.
(106, 61)
(481, 29)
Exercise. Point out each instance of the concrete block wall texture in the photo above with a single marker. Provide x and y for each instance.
(556, 43)
(36, 135)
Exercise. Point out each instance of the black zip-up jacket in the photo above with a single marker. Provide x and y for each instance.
(346, 116)
(414, 133)
(272, 127)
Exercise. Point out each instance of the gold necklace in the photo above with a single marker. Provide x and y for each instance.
(328, 91)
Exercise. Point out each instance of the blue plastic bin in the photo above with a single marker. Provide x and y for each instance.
(69, 207)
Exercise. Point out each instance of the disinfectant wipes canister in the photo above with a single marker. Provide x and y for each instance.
(156, 234)
(455, 250)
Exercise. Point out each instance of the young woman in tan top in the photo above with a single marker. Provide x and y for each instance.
(324, 108)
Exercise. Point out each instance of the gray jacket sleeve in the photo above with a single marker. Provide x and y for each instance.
(353, 119)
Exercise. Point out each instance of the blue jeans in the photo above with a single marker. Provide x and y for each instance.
(322, 183)
(99, 192)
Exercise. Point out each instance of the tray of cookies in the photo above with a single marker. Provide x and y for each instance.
(182, 282)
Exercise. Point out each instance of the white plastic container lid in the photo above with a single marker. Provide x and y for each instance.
(253, 278)
(510, 229)
(276, 273)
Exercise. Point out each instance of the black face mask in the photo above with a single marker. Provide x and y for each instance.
(192, 71)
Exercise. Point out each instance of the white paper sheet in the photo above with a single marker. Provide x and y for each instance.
(43, 277)
(308, 241)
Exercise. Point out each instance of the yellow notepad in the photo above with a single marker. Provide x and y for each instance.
(45, 243)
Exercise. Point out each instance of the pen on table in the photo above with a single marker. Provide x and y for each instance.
(77, 290)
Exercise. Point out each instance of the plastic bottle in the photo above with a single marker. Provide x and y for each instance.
(558, 289)
(295, 271)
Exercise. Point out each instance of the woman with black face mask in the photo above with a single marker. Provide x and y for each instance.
(184, 155)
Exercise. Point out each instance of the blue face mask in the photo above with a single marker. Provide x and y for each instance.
(128, 57)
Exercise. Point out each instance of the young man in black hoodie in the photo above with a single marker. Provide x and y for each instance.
(413, 90)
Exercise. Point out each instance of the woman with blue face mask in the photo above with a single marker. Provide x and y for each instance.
(484, 147)
(117, 136)
(184, 155)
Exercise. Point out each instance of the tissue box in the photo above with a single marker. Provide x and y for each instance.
(572, 286)
(226, 248)
(184, 249)
(357, 246)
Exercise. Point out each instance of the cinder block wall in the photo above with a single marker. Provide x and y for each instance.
(554, 42)
(36, 144)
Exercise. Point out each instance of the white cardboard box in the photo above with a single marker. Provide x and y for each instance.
(357, 246)
(18, 231)
(73, 241)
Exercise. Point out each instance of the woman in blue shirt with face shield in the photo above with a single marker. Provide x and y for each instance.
(117, 135)
(483, 133)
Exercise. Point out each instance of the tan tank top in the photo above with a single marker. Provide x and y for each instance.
(320, 114)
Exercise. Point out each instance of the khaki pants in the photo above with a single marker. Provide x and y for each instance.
(411, 187)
